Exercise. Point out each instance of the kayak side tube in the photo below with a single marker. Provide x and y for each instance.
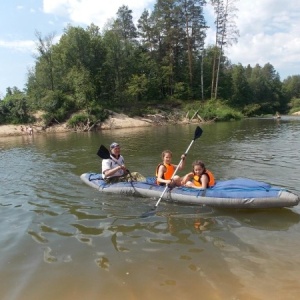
(239, 193)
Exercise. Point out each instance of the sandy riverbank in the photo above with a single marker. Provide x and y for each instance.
(116, 121)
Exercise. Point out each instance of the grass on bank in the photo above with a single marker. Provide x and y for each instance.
(294, 105)
(173, 110)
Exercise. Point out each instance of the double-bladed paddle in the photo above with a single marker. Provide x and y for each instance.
(198, 133)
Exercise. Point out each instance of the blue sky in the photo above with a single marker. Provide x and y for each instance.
(269, 31)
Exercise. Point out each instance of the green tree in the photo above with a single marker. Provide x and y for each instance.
(114, 67)
(267, 89)
(226, 35)
(124, 24)
(122, 57)
(14, 107)
(137, 86)
(194, 26)
(146, 32)
(241, 93)
(292, 86)
(46, 65)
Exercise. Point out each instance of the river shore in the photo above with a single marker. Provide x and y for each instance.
(115, 121)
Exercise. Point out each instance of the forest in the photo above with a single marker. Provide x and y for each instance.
(162, 62)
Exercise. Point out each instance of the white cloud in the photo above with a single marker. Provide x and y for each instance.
(268, 28)
(269, 33)
(21, 46)
(94, 11)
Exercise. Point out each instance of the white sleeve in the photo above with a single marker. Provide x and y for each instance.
(108, 164)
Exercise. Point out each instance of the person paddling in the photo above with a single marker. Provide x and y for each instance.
(114, 169)
(165, 170)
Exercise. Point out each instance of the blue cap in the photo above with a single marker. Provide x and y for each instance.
(114, 145)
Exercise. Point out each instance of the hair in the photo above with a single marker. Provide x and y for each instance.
(199, 163)
(166, 152)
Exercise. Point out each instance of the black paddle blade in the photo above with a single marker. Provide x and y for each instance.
(103, 152)
(149, 213)
(198, 132)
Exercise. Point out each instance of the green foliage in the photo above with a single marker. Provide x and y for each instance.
(80, 119)
(218, 110)
(251, 110)
(164, 61)
(180, 90)
(294, 105)
(14, 108)
(98, 112)
(137, 86)
(291, 86)
(214, 110)
(228, 114)
(58, 107)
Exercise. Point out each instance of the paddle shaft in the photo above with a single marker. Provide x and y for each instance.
(178, 166)
(112, 158)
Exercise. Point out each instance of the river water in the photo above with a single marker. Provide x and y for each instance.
(61, 239)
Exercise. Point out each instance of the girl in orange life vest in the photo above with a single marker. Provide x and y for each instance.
(165, 170)
(200, 178)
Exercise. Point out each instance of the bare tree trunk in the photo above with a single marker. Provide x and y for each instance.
(221, 49)
(190, 57)
(202, 83)
(225, 35)
(213, 75)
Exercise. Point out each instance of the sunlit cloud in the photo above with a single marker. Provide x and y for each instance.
(94, 11)
(19, 45)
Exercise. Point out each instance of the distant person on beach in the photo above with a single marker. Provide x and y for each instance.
(29, 130)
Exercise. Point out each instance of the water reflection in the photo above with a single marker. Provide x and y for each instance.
(269, 219)
(63, 240)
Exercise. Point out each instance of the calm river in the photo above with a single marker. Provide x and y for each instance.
(63, 240)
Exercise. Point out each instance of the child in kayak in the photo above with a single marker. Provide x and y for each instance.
(199, 178)
(165, 170)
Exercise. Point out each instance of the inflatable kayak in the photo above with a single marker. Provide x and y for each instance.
(234, 193)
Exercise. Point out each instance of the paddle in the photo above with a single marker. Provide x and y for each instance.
(104, 153)
(198, 133)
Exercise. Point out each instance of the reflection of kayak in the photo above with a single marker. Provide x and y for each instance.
(235, 193)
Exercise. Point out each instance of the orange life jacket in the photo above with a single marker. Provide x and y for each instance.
(211, 179)
(170, 169)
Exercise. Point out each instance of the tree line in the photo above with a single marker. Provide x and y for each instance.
(162, 59)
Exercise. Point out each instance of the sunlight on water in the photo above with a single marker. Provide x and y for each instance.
(63, 240)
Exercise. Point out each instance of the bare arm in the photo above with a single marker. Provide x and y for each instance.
(182, 162)
(187, 177)
(111, 172)
(110, 169)
(204, 181)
